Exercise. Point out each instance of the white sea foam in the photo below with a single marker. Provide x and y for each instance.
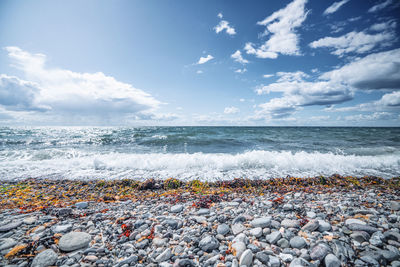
(75, 164)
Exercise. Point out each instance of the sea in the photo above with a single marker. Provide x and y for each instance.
(205, 153)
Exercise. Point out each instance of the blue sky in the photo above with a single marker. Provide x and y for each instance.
(328, 63)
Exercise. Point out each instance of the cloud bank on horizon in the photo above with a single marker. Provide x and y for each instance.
(294, 63)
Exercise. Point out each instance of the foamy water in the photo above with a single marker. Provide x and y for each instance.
(207, 153)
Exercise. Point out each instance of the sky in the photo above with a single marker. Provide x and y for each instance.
(210, 62)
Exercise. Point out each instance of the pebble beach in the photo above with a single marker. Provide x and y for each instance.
(333, 221)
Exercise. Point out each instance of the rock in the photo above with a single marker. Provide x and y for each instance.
(238, 248)
(45, 258)
(200, 219)
(390, 255)
(223, 229)
(159, 242)
(319, 251)
(273, 237)
(64, 212)
(30, 220)
(370, 261)
(238, 228)
(209, 243)
(82, 205)
(184, 263)
(91, 258)
(290, 223)
(74, 240)
(299, 262)
(395, 205)
(10, 226)
(6, 243)
(286, 257)
(324, 226)
(171, 223)
(177, 208)
(311, 226)
(261, 222)
(166, 255)
(311, 214)
(362, 227)
(297, 242)
(246, 259)
(287, 207)
(241, 238)
(263, 257)
(377, 239)
(257, 232)
(274, 261)
(203, 212)
(392, 235)
(351, 221)
(332, 261)
(360, 236)
(61, 228)
(283, 243)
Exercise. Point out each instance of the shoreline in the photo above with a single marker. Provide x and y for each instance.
(320, 221)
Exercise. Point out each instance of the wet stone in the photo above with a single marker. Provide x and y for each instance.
(73, 241)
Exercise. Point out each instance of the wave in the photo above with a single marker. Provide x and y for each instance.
(258, 164)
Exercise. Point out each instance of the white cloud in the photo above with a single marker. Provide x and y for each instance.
(220, 15)
(199, 72)
(281, 26)
(380, 6)
(389, 100)
(224, 25)
(231, 110)
(203, 60)
(291, 76)
(61, 91)
(241, 70)
(375, 71)
(388, 25)
(237, 56)
(355, 42)
(335, 7)
(268, 75)
(371, 117)
(242, 100)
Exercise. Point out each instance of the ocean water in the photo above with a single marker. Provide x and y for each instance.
(206, 153)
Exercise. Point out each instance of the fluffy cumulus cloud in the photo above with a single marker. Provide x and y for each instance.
(335, 7)
(231, 110)
(375, 71)
(223, 25)
(203, 60)
(237, 56)
(298, 93)
(380, 6)
(60, 91)
(281, 29)
(355, 42)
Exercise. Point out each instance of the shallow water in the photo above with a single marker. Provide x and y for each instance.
(208, 153)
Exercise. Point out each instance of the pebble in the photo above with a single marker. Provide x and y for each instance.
(209, 243)
(297, 242)
(246, 259)
(177, 208)
(10, 226)
(238, 228)
(256, 232)
(261, 222)
(223, 229)
(273, 237)
(166, 255)
(82, 205)
(311, 226)
(74, 240)
(45, 258)
(319, 251)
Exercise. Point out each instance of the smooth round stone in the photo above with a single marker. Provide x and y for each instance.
(273, 237)
(82, 205)
(73, 241)
(324, 226)
(297, 242)
(257, 232)
(246, 259)
(311, 226)
(299, 262)
(238, 228)
(360, 236)
(283, 243)
(290, 223)
(238, 248)
(203, 212)
(261, 222)
(362, 227)
(209, 243)
(395, 205)
(30, 220)
(61, 228)
(10, 226)
(6, 243)
(223, 229)
(351, 221)
(176, 208)
(319, 252)
(263, 257)
(311, 214)
(159, 242)
(166, 255)
(45, 258)
(332, 261)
